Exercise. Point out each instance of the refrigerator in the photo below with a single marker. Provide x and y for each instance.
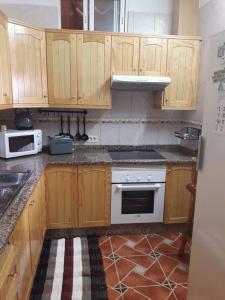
(207, 263)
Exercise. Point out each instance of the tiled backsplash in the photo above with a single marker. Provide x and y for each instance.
(132, 121)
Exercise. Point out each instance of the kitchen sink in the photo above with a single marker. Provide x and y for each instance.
(11, 183)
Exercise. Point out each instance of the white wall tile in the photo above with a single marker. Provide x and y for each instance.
(148, 134)
(129, 134)
(110, 134)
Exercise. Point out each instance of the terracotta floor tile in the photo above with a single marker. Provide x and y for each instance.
(154, 292)
(111, 277)
(179, 276)
(102, 239)
(134, 238)
(177, 243)
(181, 293)
(144, 260)
(143, 246)
(106, 248)
(170, 236)
(166, 249)
(124, 266)
(134, 279)
(155, 273)
(155, 240)
(113, 294)
(130, 294)
(127, 251)
(168, 264)
(107, 262)
(117, 242)
(171, 297)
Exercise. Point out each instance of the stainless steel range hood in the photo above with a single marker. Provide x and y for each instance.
(139, 83)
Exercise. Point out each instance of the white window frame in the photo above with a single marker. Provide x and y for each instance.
(88, 11)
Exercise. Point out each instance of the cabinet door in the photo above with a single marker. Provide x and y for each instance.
(125, 55)
(22, 242)
(182, 67)
(5, 71)
(28, 59)
(61, 197)
(94, 70)
(61, 60)
(153, 52)
(42, 205)
(94, 183)
(177, 197)
(34, 229)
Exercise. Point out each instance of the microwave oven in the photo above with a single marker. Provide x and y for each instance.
(15, 143)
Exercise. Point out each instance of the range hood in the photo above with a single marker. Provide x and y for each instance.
(139, 83)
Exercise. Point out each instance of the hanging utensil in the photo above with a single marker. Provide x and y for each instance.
(84, 136)
(61, 125)
(78, 135)
(68, 124)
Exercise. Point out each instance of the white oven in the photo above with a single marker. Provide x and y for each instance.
(14, 143)
(137, 194)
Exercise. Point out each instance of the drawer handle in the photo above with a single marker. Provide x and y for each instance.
(11, 274)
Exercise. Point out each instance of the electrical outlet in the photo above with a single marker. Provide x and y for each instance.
(93, 139)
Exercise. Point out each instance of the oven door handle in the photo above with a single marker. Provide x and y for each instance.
(139, 187)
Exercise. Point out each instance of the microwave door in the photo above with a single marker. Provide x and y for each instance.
(21, 145)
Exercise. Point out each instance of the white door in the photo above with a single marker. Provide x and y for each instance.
(207, 266)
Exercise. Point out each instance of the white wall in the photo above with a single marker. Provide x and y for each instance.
(39, 13)
(211, 21)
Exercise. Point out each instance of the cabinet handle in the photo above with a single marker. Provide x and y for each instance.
(79, 97)
(134, 70)
(45, 96)
(11, 274)
(5, 95)
(31, 204)
(141, 70)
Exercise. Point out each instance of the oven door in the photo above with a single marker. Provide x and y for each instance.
(137, 203)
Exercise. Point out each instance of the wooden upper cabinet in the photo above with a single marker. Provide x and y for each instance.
(182, 67)
(94, 70)
(61, 196)
(153, 54)
(5, 71)
(28, 60)
(177, 197)
(125, 55)
(62, 72)
(94, 184)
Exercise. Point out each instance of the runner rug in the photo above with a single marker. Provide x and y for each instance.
(70, 269)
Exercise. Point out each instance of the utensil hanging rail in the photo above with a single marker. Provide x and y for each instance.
(61, 111)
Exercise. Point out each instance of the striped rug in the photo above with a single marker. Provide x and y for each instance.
(70, 269)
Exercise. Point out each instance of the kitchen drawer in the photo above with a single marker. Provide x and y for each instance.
(8, 276)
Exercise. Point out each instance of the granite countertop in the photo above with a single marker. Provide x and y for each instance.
(83, 155)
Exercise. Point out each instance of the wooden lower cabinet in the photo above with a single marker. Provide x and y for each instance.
(8, 274)
(177, 197)
(21, 238)
(42, 204)
(94, 192)
(61, 196)
(34, 229)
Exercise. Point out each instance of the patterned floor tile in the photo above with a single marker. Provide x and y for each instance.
(144, 267)
(154, 292)
(155, 273)
(181, 293)
(111, 276)
(113, 294)
(124, 267)
(133, 295)
(134, 280)
(143, 246)
(154, 240)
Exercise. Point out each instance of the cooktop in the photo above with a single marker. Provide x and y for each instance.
(137, 154)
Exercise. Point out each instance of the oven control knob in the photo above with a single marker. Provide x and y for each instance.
(149, 178)
(128, 178)
(139, 178)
